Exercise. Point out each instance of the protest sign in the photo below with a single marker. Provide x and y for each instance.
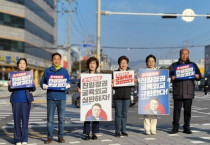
(123, 78)
(184, 71)
(23, 79)
(96, 97)
(57, 82)
(153, 92)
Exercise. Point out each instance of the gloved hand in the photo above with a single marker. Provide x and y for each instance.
(45, 87)
(169, 80)
(68, 86)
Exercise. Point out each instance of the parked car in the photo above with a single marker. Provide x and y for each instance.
(134, 97)
(74, 85)
(76, 99)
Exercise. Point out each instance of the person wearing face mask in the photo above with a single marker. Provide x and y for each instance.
(21, 99)
(122, 100)
(183, 93)
(150, 121)
(55, 99)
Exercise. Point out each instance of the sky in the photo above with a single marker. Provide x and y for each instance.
(148, 34)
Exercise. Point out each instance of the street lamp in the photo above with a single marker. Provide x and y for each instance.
(187, 15)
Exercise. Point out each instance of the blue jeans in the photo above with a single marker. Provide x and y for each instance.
(51, 106)
(21, 113)
(121, 111)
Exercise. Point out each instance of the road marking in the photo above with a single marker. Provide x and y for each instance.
(150, 138)
(105, 140)
(205, 138)
(197, 142)
(74, 142)
(195, 131)
(114, 144)
(206, 124)
(99, 135)
(173, 135)
(3, 143)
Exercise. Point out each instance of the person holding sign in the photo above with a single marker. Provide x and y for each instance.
(21, 99)
(55, 80)
(92, 65)
(122, 101)
(150, 121)
(183, 73)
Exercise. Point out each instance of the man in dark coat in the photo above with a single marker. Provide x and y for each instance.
(183, 92)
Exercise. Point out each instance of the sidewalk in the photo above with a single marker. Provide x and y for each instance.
(73, 135)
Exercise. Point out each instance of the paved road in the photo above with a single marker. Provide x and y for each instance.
(73, 130)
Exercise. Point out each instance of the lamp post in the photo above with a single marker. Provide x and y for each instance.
(98, 33)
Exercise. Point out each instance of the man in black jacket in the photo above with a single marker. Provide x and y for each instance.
(183, 92)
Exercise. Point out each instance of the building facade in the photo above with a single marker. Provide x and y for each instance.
(27, 29)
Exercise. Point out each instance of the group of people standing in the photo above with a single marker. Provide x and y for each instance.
(183, 94)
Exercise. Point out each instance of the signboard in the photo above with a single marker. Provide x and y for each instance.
(153, 92)
(96, 97)
(184, 72)
(23, 79)
(123, 78)
(57, 82)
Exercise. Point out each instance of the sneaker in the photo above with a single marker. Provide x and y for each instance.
(18, 143)
(86, 137)
(24, 143)
(117, 134)
(94, 137)
(124, 134)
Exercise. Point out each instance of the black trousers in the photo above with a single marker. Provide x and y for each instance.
(187, 103)
(95, 127)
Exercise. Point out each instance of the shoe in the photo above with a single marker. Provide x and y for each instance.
(61, 140)
(187, 131)
(24, 143)
(48, 141)
(18, 143)
(124, 134)
(86, 137)
(174, 131)
(117, 134)
(94, 137)
(147, 132)
(153, 132)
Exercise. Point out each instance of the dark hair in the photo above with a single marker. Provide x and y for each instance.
(18, 62)
(121, 58)
(56, 54)
(182, 50)
(90, 60)
(97, 104)
(152, 56)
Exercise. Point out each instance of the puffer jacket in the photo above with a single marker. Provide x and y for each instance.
(184, 89)
(55, 94)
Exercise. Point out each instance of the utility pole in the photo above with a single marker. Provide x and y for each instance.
(69, 37)
(98, 33)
